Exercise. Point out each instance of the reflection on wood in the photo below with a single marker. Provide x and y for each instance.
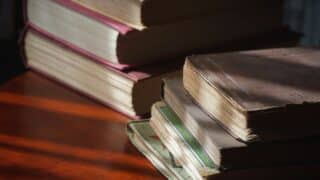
(48, 131)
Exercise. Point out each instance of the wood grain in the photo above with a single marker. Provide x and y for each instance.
(50, 132)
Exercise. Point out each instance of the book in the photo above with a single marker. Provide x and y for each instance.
(143, 14)
(203, 128)
(122, 47)
(147, 142)
(183, 146)
(232, 155)
(261, 95)
(131, 92)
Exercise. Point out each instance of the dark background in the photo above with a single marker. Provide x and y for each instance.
(304, 16)
(11, 23)
(300, 15)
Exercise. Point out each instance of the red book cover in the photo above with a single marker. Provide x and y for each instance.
(135, 74)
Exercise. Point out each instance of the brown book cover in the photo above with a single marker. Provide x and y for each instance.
(112, 43)
(147, 13)
(267, 94)
(226, 151)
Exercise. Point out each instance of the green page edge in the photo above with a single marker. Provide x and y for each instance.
(190, 140)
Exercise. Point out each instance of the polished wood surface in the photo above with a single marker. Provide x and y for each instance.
(50, 132)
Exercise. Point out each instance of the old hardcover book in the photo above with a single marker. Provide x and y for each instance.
(120, 46)
(131, 92)
(148, 143)
(184, 147)
(265, 94)
(140, 14)
(232, 155)
(225, 150)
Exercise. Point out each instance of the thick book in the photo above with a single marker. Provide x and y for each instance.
(222, 147)
(131, 92)
(262, 95)
(145, 13)
(147, 142)
(120, 46)
(183, 146)
(174, 135)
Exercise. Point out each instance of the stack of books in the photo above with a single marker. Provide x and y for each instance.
(117, 52)
(232, 111)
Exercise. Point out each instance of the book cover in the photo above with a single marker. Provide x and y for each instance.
(144, 139)
(136, 74)
(123, 91)
(225, 150)
(124, 49)
(265, 94)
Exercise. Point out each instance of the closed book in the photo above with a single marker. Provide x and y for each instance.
(146, 13)
(180, 142)
(226, 151)
(147, 142)
(131, 92)
(262, 95)
(122, 47)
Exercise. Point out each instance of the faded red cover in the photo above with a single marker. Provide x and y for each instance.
(121, 28)
(137, 74)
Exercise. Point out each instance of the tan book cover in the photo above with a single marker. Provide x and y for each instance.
(264, 94)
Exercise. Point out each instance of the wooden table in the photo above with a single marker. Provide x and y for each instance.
(48, 131)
